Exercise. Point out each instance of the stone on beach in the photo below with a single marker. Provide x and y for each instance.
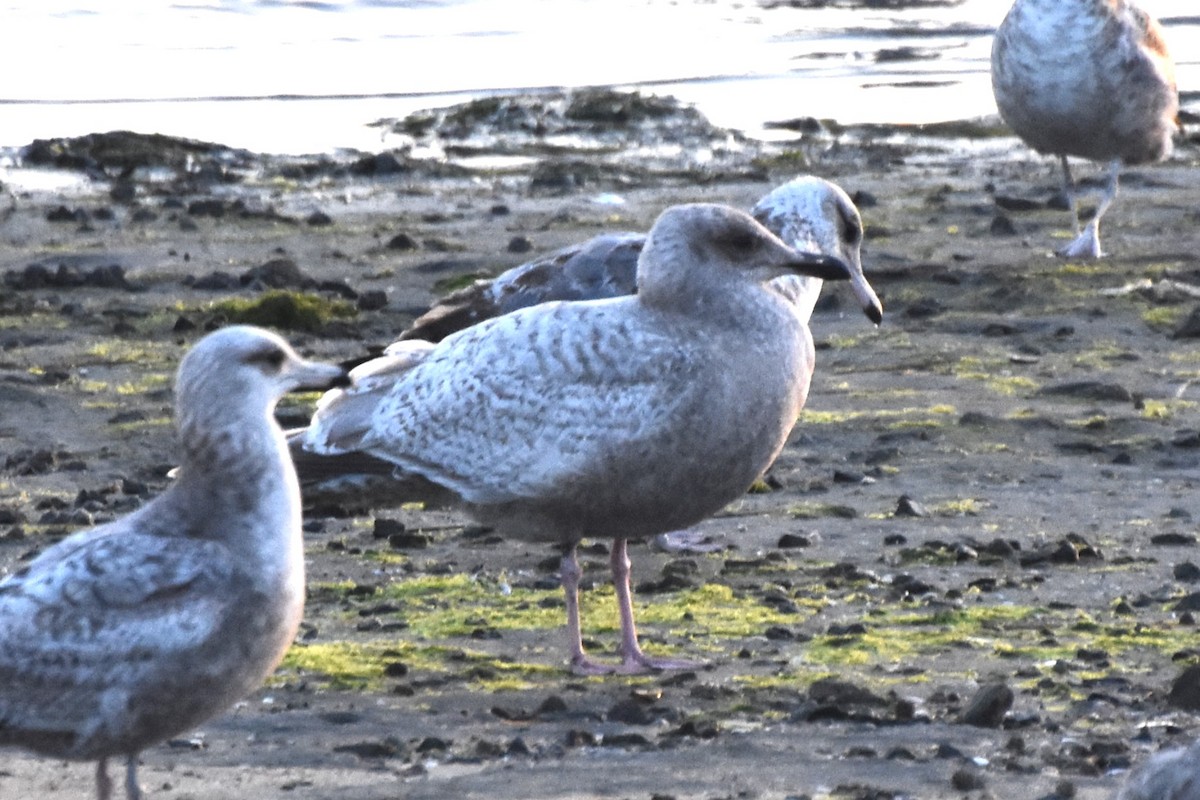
(1086, 78)
(620, 418)
(124, 635)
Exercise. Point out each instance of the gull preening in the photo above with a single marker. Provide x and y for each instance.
(122, 636)
(1086, 78)
(619, 418)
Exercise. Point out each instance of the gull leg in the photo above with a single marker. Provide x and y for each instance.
(132, 790)
(1069, 191)
(569, 574)
(633, 660)
(103, 782)
(1087, 243)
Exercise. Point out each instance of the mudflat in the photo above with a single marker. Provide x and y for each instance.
(972, 572)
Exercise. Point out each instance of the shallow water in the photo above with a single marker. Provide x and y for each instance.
(301, 77)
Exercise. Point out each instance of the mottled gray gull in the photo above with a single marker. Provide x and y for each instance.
(1169, 775)
(619, 418)
(1086, 78)
(124, 635)
(809, 213)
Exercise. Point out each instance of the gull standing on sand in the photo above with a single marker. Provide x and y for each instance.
(122, 636)
(1086, 78)
(618, 419)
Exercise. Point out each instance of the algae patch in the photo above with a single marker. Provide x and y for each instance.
(294, 311)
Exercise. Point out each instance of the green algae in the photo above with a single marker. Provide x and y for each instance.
(285, 310)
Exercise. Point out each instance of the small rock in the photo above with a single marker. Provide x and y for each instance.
(519, 244)
(907, 507)
(319, 219)
(402, 241)
(630, 712)
(789, 541)
(967, 780)
(1186, 572)
(1002, 225)
(1185, 692)
(1173, 539)
(988, 707)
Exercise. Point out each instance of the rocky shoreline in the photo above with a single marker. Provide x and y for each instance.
(971, 573)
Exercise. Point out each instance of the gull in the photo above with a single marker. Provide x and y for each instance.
(618, 418)
(122, 636)
(1169, 775)
(809, 213)
(1086, 78)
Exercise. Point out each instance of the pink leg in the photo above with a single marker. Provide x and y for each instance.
(569, 574)
(633, 660)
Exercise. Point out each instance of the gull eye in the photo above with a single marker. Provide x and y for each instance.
(852, 232)
(271, 358)
(740, 242)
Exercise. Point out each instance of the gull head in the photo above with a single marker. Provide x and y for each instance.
(244, 370)
(814, 215)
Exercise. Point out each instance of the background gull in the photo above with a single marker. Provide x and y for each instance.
(122, 636)
(620, 418)
(1086, 78)
(810, 214)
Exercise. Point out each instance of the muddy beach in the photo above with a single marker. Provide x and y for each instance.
(972, 572)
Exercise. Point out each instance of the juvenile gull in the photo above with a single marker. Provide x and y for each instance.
(811, 214)
(1086, 78)
(122, 636)
(619, 418)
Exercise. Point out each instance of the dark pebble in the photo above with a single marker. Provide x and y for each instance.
(1089, 390)
(387, 527)
(1173, 539)
(1186, 572)
(1190, 327)
(967, 780)
(1002, 225)
(519, 244)
(988, 707)
(386, 748)
(789, 541)
(630, 712)
(1190, 602)
(207, 208)
(319, 219)
(402, 241)
(372, 300)
(907, 507)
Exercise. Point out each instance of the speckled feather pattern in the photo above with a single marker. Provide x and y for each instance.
(119, 637)
(1087, 78)
(619, 417)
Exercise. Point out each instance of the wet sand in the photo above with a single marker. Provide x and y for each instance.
(1039, 415)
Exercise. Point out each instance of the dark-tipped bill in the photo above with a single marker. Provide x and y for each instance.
(827, 268)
